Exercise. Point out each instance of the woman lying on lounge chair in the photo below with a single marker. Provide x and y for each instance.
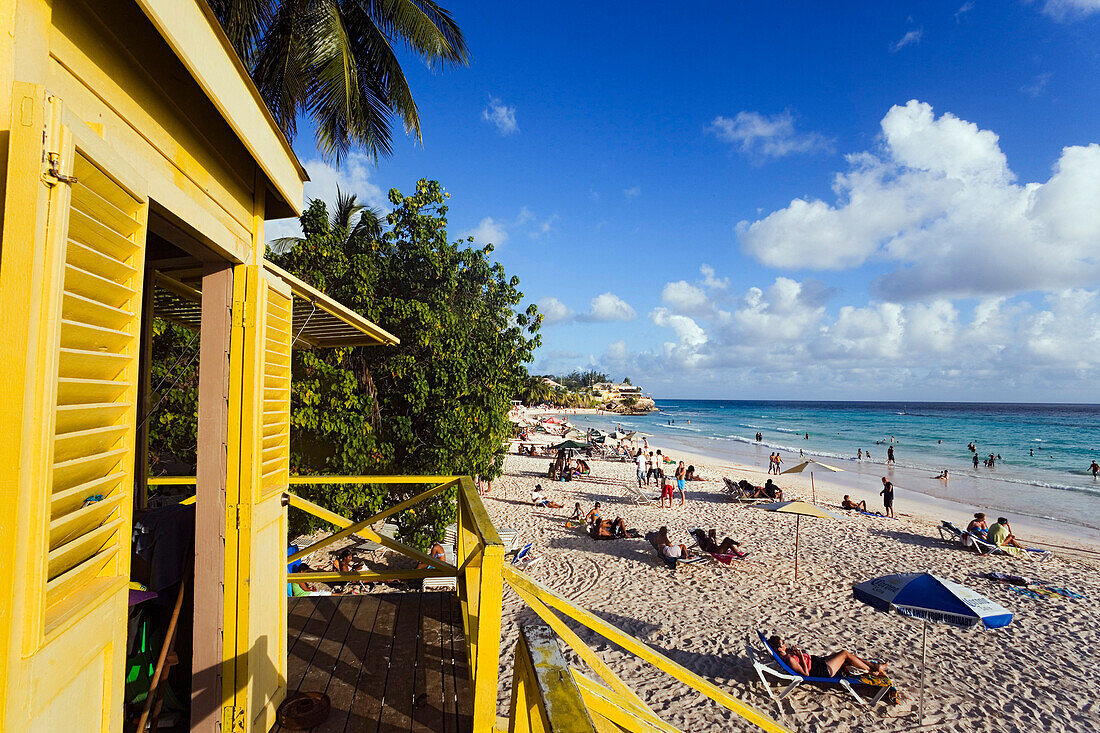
(708, 542)
(827, 666)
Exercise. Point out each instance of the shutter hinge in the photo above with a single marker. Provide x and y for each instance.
(53, 172)
(233, 719)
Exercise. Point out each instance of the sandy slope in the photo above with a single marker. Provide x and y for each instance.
(1037, 674)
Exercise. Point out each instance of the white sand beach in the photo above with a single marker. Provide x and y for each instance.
(1039, 673)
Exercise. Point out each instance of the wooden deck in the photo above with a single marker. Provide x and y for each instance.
(387, 661)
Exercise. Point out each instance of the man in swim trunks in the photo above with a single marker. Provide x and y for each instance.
(887, 494)
(1094, 468)
(666, 490)
(827, 666)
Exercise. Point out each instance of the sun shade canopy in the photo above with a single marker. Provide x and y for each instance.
(318, 320)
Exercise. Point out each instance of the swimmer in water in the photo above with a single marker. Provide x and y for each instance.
(1094, 468)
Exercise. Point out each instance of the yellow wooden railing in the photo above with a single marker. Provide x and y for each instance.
(477, 569)
(547, 694)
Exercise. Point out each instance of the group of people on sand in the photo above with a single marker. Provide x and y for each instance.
(999, 533)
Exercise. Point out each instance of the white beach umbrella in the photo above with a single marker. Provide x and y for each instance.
(810, 464)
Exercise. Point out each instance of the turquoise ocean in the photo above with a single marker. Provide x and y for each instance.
(1045, 449)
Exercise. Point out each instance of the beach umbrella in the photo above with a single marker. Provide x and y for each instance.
(931, 598)
(810, 464)
(571, 444)
(799, 509)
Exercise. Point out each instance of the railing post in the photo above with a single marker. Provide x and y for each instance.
(486, 653)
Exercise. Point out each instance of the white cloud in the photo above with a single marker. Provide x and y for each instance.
(1066, 9)
(617, 351)
(963, 10)
(767, 136)
(632, 193)
(608, 307)
(553, 311)
(940, 201)
(710, 281)
(685, 297)
(500, 116)
(1037, 85)
(690, 338)
(488, 230)
(353, 177)
(911, 38)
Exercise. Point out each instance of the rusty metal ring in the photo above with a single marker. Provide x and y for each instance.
(303, 710)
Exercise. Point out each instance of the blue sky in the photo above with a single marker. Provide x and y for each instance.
(780, 200)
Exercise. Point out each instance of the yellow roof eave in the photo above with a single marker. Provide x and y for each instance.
(195, 36)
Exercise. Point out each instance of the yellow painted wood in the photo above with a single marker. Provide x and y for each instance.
(621, 711)
(257, 520)
(545, 698)
(320, 480)
(369, 577)
(70, 351)
(581, 649)
(486, 663)
(520, 581)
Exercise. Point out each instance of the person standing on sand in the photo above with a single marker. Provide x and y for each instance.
(640, 462)
(890, 454)
(887, 494)
(778, 460)
(681, 477)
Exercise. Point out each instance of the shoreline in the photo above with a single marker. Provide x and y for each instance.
(702, 616)
(863, 484)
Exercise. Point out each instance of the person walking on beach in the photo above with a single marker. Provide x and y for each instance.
(890, 454)
(1095, 468)
(887, 494)
(681, 477)
(778, 460)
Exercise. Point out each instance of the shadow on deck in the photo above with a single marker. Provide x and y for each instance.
(387, 661)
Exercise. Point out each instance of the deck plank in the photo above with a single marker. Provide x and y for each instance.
(464, 699)
(345, 675)
(387, 661)
(428, 699)
(374, 660)
(401, 677)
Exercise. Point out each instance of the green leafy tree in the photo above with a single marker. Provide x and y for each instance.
(335, 61)
(436, 404)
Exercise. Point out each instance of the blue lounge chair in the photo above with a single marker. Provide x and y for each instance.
(781, 671)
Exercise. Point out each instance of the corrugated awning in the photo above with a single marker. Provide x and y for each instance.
(318, 321)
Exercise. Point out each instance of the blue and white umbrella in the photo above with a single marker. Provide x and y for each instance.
(931, 598)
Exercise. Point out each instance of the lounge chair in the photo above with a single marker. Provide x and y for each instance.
(442, 583)
(781, 671)
(701, 538)
(671, 562)
(525, 556)
(639, 495)
(737, 493)
(951, 533)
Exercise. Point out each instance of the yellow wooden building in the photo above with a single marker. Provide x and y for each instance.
(137, 167)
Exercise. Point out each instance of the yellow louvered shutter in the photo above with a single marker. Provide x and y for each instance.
(70, 290)
(275, 409)
(93, 444)
(256, 535)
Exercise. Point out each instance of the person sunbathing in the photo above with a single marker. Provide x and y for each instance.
(771, 491)
(708, 542)
(608, 529)
(540, 500)
(831, 665)
(667, 548)
(436, 553)
(692, 476)
(1000, 534)
(849, 504)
